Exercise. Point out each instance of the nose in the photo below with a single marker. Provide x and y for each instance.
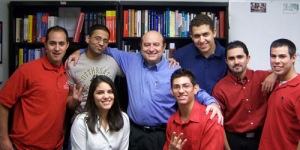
(201, 39)
(181, 89)
(57, 47)
(236, 61)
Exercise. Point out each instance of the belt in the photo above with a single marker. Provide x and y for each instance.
(249, 134)
(149, 129)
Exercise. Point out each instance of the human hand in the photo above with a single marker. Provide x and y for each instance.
(215, 110)
(176, 143)
(173, 62)
(6, 144)
(269, 82)
(73, 57)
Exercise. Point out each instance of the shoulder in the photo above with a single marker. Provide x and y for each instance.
(81, 116)
(184, 48)
(125, 119)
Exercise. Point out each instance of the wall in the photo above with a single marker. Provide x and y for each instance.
(4, 12)
(259, 30)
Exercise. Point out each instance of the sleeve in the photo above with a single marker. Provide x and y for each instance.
(78, 134)
(70, 76)
(83, 50)
(297, 107)
(204, 98)
(14, 87)
(125, 139)
(176, 55)
(168, 134)
(214, 136)
(216, 94)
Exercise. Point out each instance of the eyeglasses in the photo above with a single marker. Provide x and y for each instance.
(184, 87)
(99, 39)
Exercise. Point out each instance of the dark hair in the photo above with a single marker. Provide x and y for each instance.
(202, 20)
(98, 27)
(163, 42)
(56, 28)
(236, 44)
(184, 73)
(284, 42)
(114, 116)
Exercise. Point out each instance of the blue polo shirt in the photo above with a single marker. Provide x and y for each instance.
(208, 71)
(150, 99)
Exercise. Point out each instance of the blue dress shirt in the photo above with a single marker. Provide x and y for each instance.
(150, 99)
(208, 71)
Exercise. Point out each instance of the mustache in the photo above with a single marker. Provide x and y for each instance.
(237, 65)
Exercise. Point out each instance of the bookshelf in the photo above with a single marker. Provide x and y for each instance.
(17, 9)
(161, 7)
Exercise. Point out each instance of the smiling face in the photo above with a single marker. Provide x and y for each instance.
(203, 38)
(103, 97)
(97, 42)
(281, 62)
(237, 61)
(183, 90)
(56, 46)
(152, 47)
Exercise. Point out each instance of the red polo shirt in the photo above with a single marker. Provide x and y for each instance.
(282, 127)
(39, 92)
(243, 104)
(200, 132)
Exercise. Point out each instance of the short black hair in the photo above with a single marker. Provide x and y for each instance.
(184, 73)
(236, 44)
(202, 20)
(98, 27)
(56, 28)
(284, 42)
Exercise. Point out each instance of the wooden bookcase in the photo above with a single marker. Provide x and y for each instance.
(160, 7)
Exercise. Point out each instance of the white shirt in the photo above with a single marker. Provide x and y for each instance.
(82, 138)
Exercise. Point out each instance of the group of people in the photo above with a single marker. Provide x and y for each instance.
(169, 107)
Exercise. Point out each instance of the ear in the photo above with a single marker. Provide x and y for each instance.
(215, 32)
(294, 58)
(196, 89)
(87, 38)
(171, 91)
(248, 59)
(165, 46)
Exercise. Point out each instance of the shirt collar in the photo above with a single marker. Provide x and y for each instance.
(194, 116)
(248, 76)
(294, 82)
(155, 67)
(47, 65)
(218, 51)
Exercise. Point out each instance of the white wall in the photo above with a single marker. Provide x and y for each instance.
(259, 30)
(4, 12)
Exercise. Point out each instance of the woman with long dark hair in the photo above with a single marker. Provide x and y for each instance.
(102, 124)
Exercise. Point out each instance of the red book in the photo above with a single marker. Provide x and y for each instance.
(125, 24)
(113, 21)
(34, 29)
(222, 23)
(44, 26)
(78, 28)
(109, 24)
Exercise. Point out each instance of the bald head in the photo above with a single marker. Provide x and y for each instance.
(152, 33)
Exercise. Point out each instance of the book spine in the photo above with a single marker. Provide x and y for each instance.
(152, 20)
(86, 25)
(176, 24)
(114, 27)
(132, 22)
(78, 28)
(95, 18)
(146, 21)
(99, 18)
(25, 54)
(44, 26)
(129, 22)
(142, 22)
(91, 19)
(172, 32)
(34, 29)
(29, 29)
(38, 27)
(43, 51)
(157, 22)
(32, 54)
(222, 23)
(18, 29)
(168, 23)
(20, 56)
(25, 28)
(37, 53)
(125, 23)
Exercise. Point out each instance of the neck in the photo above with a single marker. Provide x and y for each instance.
(209, 52)
(92, 56)
(240, 75)
(103, 114)
(185, 110)
(288, 76)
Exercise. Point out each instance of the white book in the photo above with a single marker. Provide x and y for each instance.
(139, 23)
(25, 28)
(146, 21)
(37, 53)
(52, 21)
(18, 29)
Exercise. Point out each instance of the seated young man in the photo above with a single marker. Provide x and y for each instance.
(190, 128)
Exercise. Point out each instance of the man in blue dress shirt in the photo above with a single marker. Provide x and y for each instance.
(150, 100)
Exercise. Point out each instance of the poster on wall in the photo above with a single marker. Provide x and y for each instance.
(290, 8)
(1, 42)
(258, 7)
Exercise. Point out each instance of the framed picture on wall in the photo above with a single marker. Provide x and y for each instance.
(1, 42)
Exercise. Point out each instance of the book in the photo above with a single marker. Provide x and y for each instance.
(91, 19)
(125, 23)
(25, 55)
(67, 18)
(20, 56)
(86, 25)
(52, 21)
(44, 26)
(79, 24)
(132, 22)
(146, 21)
(171, 50)
(95, 19)
(43, 51)
(18, 29)
(114, 26)
(29, 29)
(34, 29)
(39, 27)
(25, 28)
(222, 23)
(37, 53)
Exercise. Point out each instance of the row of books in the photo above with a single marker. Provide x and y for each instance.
(169, 23)
(28, 54)
(33, 28)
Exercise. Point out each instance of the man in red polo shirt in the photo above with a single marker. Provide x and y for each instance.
(190, 128)
(242, 101)
(39, 92)
(282, 126)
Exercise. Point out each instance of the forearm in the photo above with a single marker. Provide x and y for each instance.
(204, 98)
(226, 144)
(4, 111)
(71, 103)
(298, 147)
